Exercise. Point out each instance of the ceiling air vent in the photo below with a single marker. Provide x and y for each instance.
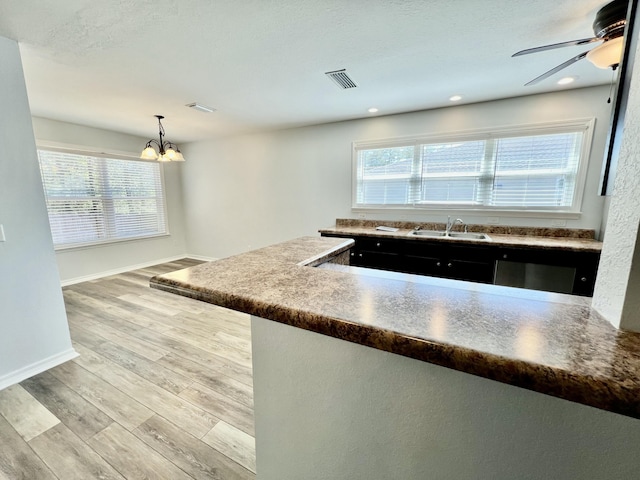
(200, 107)
(341, 79)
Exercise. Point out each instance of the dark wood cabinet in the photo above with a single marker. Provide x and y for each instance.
(470, 263)
(377, 253)
(450, 261)
(569, 271)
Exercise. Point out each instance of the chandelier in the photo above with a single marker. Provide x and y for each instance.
(167, 151)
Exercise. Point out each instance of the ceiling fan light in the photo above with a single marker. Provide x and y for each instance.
(608, 54)
(149, 153)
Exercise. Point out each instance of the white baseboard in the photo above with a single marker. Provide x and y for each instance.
(203, 258)
(35, 368)
(128, 268)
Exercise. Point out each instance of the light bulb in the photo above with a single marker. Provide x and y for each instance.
(149, 153)
(608, 54)
(170, 153)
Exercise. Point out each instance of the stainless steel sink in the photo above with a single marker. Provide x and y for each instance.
(470, 235)
(439, 234)
(428, 233)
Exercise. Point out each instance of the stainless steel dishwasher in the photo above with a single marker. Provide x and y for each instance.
(535, 276)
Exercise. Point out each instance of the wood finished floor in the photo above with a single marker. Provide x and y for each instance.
(162, 390)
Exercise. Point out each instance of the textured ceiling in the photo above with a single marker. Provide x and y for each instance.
(115, 63)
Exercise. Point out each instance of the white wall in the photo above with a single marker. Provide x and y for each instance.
(616, 295)
(33, 324)
(329, 409)
(88, 261)
(252, 190)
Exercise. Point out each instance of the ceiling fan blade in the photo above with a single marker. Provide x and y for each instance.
(570, 43)
(571, 61)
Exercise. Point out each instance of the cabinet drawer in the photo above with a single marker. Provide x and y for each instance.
(378, 245)
(371, 259)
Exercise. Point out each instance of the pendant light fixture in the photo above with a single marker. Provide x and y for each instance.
(167, 151)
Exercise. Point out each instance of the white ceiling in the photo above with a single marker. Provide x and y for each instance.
(115, 63)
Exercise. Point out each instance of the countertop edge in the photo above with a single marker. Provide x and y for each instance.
(324, 256)
(518, 373)
(606, 393)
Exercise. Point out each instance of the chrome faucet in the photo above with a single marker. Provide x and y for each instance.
(451, 224)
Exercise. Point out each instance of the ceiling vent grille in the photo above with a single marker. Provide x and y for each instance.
(341, 79)
(200, 107)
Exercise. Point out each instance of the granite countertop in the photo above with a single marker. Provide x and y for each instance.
(547, 342)
(514, 237)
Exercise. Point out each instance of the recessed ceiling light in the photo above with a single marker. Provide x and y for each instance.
(372, 110)
(566, 80)
(200, 107)
(455, 98)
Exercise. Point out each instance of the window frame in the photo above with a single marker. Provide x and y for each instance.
(585, 125)
(109, 154)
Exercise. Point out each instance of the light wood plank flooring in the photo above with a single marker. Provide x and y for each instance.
(162, 390)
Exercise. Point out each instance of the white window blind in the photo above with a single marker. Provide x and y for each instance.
(95, 200)
(515, 171)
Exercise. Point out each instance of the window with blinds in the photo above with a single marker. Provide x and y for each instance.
(525, 169)
(96, 200)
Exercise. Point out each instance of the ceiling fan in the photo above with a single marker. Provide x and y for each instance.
(608, 28)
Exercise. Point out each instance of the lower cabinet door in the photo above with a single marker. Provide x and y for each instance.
(422, 265)
(355, 258)
(381, 260)
(585, 279)
(471, 271)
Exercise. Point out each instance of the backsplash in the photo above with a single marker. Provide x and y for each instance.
(497, 229)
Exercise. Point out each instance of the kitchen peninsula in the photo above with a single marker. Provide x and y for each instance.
(329, 406)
